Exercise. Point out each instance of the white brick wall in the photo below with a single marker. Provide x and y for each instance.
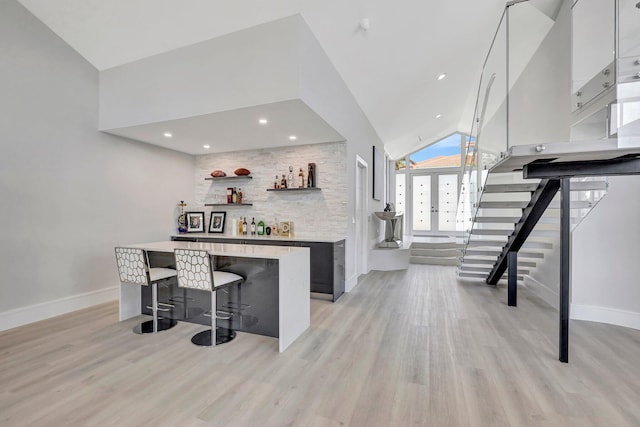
(322, 212)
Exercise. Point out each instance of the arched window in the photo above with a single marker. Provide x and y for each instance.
(445, 153)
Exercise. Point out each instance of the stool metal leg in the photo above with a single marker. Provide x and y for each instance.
(217, 335)
(157, 324)
(214, 315)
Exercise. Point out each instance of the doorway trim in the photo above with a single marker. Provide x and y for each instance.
(361, 217)
(435, 174)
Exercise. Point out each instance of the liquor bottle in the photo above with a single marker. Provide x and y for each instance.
(239, 195)
(229, 194)
(283, 182)
(274, 229)
(234, 196)
(182, 219)
(253, 226)
(290, 183)
(261, 228)
(240, 227)
(301, 175)
(244, 226)
(311, 176)
(276, 183)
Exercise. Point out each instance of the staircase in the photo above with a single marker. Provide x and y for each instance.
(436, 251)
(500, 208)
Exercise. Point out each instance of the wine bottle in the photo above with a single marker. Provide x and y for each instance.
(290, 182)
(261, 228)
(253, 226)
(234, 196)
(311, 176)
(244, 226)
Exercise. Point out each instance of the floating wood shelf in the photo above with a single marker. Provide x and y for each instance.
(228, 204)
(227, 178)
(295, 189)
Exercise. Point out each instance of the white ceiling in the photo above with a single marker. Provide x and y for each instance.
(237, 129)
(391, 69)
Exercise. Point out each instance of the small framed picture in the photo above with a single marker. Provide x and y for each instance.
(195, 222)
(216, 224)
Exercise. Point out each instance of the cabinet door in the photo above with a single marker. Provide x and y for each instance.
(321, 266)
(338, 269)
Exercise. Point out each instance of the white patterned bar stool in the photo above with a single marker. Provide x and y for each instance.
(195, 271)
(133, 267)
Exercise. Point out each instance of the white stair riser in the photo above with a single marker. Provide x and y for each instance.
(434, 260)
(443, 245)
(447, 253)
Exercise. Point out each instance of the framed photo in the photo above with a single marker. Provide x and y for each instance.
(195, 222)
(378, 174)
(216, 224)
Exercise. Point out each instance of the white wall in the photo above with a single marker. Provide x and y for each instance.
(255, 66)
(605, 252)
(70, 193)
(539, 100)
(315, 214)
(325, 92)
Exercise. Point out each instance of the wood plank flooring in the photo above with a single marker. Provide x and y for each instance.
(406, 348)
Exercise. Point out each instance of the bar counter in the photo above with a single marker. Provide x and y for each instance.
(276, 288)
(327, 255)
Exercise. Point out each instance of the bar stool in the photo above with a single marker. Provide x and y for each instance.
(133, 267)
(195, 271)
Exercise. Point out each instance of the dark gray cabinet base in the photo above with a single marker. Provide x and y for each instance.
(254, 303)
(327, 260)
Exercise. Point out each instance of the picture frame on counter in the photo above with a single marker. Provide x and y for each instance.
(216, 223)
(195, 222)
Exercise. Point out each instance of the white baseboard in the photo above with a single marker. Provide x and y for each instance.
(389, 259)
(548, 295)
(34, 313)
(591, 313)
(351, 283)
(612, 316)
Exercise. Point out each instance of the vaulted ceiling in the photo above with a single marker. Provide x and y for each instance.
(391, 68)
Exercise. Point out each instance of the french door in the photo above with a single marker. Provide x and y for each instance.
(432, 202)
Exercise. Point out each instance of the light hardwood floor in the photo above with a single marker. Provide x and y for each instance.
(406, 348)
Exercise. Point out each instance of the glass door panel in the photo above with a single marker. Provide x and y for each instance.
(447, 202)
(401, 192)
(421, 212)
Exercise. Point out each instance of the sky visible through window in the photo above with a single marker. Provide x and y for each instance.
(446, 147)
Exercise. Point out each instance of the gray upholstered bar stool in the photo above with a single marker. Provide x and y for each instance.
(133, 267)
(195, 270)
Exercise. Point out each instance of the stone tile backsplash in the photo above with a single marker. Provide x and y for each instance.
(322, 212)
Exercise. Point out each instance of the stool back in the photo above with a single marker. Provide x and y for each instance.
(194, 269)
(133, 266)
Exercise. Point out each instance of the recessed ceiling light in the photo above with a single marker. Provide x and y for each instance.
(263, 121)
(442, 76)
(206, 146)
(293, 137)
(168, 134)
(438, 116)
